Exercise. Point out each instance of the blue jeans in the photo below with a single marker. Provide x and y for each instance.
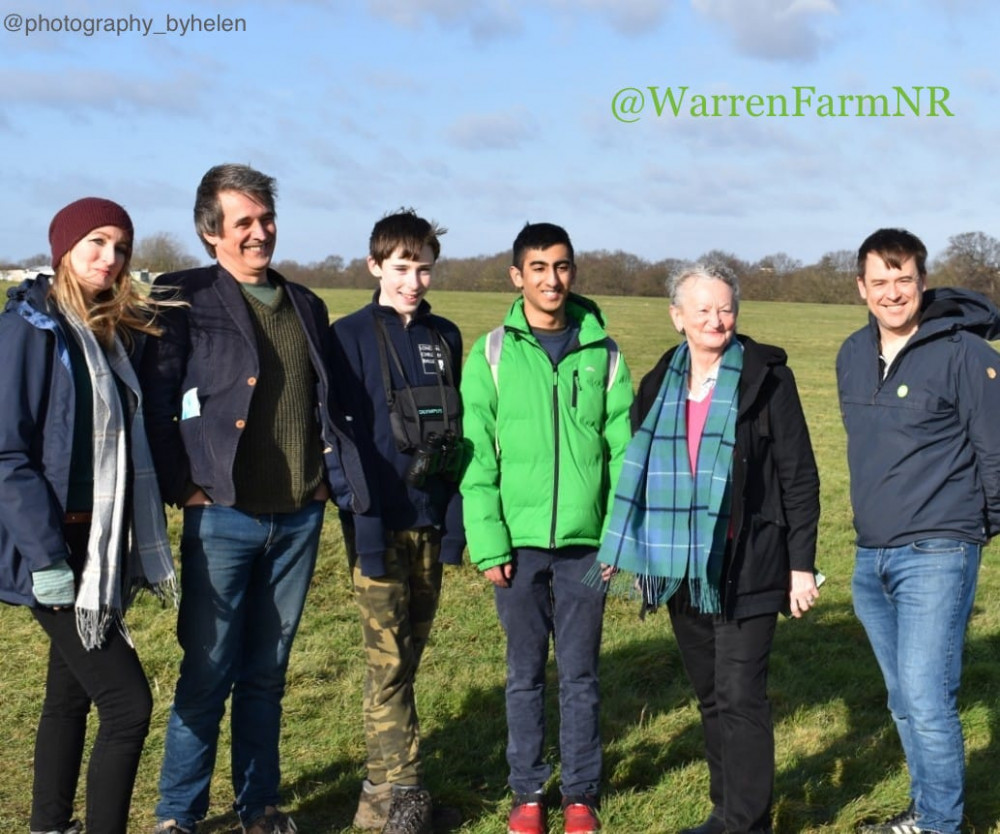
(244, 580)
(547, 597)
(914, 602)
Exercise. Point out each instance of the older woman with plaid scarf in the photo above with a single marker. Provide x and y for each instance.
(715, 514)
(81, 523)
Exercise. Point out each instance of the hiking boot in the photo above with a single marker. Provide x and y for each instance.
(527, 815)
(409, 812)
(73, 827)
(373, 806)
(170, 827)
(580, 815)
(272, 821)
(905, 822)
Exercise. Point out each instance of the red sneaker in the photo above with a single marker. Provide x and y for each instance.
(527, 816)
(580, 818)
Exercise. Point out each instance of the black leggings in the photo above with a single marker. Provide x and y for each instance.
(112, 678)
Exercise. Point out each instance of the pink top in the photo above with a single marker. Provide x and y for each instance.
(697, 414)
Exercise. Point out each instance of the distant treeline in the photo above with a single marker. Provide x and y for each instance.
(971, 260)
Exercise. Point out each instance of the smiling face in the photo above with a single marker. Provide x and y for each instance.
(893, 295)
(705, 314)
(544, 279)
(403, 282)
(249, 232)
(97, 259)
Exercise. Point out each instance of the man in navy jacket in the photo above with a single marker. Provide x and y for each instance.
(243, 439)
(919, 393)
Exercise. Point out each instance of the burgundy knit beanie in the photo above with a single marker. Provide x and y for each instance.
(71, 223)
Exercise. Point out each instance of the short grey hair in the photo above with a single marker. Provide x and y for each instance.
(713, 271)
(228, 177)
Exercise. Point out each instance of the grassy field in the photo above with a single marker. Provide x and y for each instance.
(839, 760)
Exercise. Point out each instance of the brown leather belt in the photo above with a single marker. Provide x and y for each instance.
(78, 518)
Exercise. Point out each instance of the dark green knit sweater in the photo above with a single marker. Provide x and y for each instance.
(279, 462)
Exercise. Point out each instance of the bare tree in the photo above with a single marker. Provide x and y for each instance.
(161, 252)
(971, 260)
(779, 263)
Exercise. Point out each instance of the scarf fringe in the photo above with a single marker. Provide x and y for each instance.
(654, 591)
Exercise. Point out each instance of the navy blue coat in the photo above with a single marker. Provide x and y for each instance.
(208, 355)
(922, 444)
(359, 386)
(36, 437)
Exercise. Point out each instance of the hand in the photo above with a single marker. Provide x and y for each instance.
(500, 575)
(803, 594)
(54, 587)
(198, 499)
(607, 571)
(322, 492)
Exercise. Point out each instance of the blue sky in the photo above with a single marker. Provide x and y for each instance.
(484, 115)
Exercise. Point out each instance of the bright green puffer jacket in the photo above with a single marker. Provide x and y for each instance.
(547, 442)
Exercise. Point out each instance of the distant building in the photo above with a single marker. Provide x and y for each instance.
(18, 275)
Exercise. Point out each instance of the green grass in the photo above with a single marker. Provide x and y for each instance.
(838, 757)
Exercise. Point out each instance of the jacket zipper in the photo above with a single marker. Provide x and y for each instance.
(555, 455)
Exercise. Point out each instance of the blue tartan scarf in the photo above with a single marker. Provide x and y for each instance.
(665, 523)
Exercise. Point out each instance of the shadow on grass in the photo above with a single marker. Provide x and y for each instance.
(643, 682)
(819, 786)
(812, 790)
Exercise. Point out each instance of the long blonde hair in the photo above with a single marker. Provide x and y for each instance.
(123, 309)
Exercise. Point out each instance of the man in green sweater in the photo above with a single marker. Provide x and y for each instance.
(236, 393)
(546, 402)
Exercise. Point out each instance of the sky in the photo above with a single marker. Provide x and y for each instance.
(486, 115)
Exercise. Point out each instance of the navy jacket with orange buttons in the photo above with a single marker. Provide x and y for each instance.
(198, 381)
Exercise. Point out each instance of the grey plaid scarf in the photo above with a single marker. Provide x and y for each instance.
(107, 586)
(665, 523)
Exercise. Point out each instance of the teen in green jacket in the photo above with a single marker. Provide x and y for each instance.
(561, 433)
(546, 404)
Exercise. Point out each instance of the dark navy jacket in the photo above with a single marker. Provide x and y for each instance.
(922, 445)
(775, 512)
(198, 379)
(36, 437)
(357, 381)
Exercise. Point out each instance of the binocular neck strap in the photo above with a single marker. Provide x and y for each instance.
(442, 355)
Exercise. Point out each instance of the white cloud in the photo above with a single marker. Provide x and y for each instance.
(485, 21)
(782, 30)
(629, 17)
(505, 130)
(100, 91)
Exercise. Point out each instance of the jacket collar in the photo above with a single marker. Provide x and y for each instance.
(384, 310)
(758, 359)
(582, 310)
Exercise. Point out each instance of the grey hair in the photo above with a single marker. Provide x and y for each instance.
(713, 271)
(228, 177)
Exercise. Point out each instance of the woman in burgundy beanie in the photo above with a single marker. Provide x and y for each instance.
(81, 522)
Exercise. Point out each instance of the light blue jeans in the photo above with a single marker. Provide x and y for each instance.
(914, 602)
(244, 580)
